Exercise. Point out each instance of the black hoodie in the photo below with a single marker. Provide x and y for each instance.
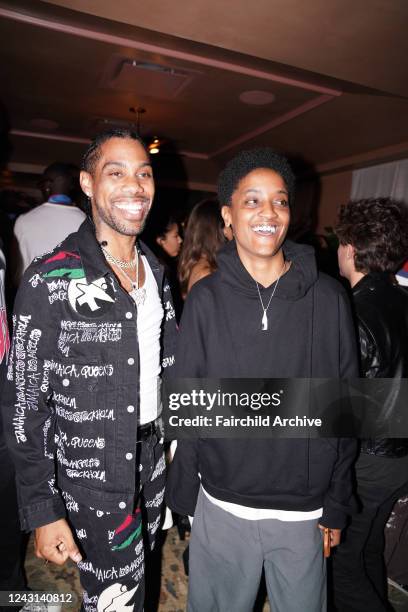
(310, 334)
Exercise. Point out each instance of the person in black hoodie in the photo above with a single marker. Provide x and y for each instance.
(373, 236)
(265, 313)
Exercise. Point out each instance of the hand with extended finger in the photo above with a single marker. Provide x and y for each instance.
(54, 542)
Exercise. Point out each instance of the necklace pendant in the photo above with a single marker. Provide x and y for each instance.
(264, 321)
(138, 295)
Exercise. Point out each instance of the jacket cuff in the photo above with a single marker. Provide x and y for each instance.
(333, 519)
(43, 513)
(183, 509)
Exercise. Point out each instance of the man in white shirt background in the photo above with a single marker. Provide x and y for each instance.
(42, 228)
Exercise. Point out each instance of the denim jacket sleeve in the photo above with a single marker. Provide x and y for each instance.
(28, 417)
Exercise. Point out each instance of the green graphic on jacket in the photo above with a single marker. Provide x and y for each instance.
(63, 264)
(128, 531)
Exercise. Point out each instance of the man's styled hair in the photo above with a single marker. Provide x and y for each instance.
(377, 228)
(93, 152)
(247, 161)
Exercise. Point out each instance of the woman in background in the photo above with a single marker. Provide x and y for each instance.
(204, 235)
(162, 235)
(168, 238)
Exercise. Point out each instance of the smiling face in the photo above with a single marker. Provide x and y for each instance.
(259, 215)
(121, 188)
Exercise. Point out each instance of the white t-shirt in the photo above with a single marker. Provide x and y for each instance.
(41, 229)
(255, 514)
(258, 514)
(149, 320)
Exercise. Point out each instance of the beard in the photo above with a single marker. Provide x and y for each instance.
(125, 227)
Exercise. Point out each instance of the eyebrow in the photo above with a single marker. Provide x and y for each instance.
(123, 165)
(256, 190)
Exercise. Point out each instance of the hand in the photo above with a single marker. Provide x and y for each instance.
(335, 535)
(54, 542)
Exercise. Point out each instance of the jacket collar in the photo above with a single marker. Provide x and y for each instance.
(372, 281)
(93, 260)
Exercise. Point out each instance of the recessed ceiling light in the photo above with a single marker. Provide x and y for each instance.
(257, 97)
(44, 124)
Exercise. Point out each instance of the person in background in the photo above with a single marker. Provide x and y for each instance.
(205, 233)
(373, 236)
(162, 235)
(265, 312)
(41, 229)
(396, 531)
(402, 275)
(12, 540)
(168, 238)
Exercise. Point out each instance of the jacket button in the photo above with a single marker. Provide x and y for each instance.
(129, 456)
(130, 408)
(122, 505)
(128, 315)
(65, 382)
(131, 361)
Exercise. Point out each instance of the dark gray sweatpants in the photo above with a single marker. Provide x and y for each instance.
(227, 555)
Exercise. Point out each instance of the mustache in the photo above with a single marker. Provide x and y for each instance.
(137, 198)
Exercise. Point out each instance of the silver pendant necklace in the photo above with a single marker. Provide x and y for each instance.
(264, 322)
(138, 294)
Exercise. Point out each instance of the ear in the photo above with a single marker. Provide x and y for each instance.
(160, 240)
(226, 215)
(350, 252)
(86, 183)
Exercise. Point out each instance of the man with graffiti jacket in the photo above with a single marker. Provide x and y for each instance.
(81, 404)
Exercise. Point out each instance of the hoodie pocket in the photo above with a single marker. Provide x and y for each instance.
(289, 468)
(257, 468)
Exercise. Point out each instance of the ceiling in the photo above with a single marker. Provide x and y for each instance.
(336, 72)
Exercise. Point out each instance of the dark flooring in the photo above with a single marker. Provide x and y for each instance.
(170, 592)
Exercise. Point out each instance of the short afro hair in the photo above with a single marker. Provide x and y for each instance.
(93, 152)
(377, 228)
(247, 161)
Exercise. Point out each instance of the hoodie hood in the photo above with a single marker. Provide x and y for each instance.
(293, 285)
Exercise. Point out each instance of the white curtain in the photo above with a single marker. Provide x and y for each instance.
(385, 180)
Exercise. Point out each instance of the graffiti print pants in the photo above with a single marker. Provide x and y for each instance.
(113, 543)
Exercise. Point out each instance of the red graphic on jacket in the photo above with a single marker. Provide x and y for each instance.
(128, 531)
(4, 334)
(63, 264)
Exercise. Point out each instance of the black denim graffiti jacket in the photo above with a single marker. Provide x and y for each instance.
(70, 402)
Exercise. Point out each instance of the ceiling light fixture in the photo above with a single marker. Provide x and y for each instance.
(154, 146)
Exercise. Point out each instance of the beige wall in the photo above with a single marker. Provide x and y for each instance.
(335, 190)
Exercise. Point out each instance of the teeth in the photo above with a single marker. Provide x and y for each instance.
(265, 228)
(130, 207)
